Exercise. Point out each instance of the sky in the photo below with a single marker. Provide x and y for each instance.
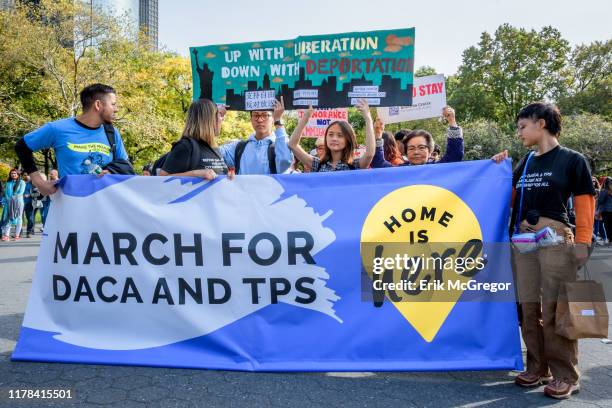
(443, 28)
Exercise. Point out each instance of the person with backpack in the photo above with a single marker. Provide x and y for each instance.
(196, 154)
(340, 144)
(85, 144)
(265, 151)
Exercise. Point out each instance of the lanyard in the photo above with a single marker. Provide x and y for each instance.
(520, 212)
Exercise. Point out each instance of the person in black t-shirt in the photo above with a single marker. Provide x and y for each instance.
(196, 154)
(543, 182)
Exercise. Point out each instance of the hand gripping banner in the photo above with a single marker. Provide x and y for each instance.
(277, 273)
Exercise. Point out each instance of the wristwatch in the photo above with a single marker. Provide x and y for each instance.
(278, 123)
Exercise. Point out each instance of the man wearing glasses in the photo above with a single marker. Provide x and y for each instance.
(265, 151)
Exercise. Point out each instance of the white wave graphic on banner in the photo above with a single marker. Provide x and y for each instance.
(141, 206)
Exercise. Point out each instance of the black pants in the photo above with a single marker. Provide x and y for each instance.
(30, 213)
(607, 221)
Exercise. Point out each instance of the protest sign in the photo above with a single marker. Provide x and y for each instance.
(429, 98)
(325, 71)
(321, 119)
(249, 274)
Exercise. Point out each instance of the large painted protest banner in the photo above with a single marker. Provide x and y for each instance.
(326, 71)
(428, 100)
(274, 273)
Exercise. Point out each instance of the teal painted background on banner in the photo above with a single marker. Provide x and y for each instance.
(331, 63)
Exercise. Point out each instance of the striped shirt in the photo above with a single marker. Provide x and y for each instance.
(317, 166)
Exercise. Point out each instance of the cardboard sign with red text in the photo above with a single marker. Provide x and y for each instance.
(428, 100)
(321, 118)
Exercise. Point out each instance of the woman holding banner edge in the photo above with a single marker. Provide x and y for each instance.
(340, 144)
(196, 154)
(542, 184)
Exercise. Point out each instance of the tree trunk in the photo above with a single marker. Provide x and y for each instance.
(46, 153)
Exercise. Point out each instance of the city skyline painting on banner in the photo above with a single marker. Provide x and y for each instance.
(325, 71)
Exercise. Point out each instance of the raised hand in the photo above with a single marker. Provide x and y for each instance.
(449, 114)
(363, 108)
(279, 109)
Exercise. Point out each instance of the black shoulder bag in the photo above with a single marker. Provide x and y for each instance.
(116, 166)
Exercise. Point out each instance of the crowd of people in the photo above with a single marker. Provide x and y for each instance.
(81, 146)
(20, 200)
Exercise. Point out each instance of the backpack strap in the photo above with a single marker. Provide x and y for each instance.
(110, 135)
(238, 154)
(240, 150)
(272, 158)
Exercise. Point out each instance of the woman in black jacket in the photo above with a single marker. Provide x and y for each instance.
(196, 154)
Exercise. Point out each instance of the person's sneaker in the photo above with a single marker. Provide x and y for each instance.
(529, 380)
(5, 238)
(559, 389)
(17, 238)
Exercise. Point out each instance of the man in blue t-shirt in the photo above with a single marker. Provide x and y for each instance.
(80, 143)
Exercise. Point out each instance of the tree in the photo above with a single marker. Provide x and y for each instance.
(505, 72)
(590, 135)
(589, 78)
(51, 50)
(425, 71)
(483, 139)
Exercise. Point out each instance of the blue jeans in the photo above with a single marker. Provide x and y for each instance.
(30, 214)
(45, 210)
(599, 229)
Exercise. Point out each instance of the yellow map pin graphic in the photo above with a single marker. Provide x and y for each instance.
(409, 215)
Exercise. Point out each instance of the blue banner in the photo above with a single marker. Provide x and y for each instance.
(279, 273)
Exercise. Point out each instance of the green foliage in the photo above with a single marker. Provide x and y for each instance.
(236, 126)
(589, 81)
(425, 71)
(509, 70)
(483, 139)
(590, 135)
(4, 171)
(43, 66)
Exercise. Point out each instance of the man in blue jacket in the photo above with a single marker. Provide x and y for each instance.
(265, 151)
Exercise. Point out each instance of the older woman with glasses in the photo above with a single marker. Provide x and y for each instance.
(419, 145)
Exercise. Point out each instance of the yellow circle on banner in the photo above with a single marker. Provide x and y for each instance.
(435, 220)
(402, 214)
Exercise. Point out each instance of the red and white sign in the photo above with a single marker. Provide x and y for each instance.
(320, 119)
(428, 100)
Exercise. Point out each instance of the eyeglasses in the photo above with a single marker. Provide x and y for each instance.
(260, 116)
(420, 148)
(320, 148)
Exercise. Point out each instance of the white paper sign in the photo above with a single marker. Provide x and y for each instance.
(428, 100)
